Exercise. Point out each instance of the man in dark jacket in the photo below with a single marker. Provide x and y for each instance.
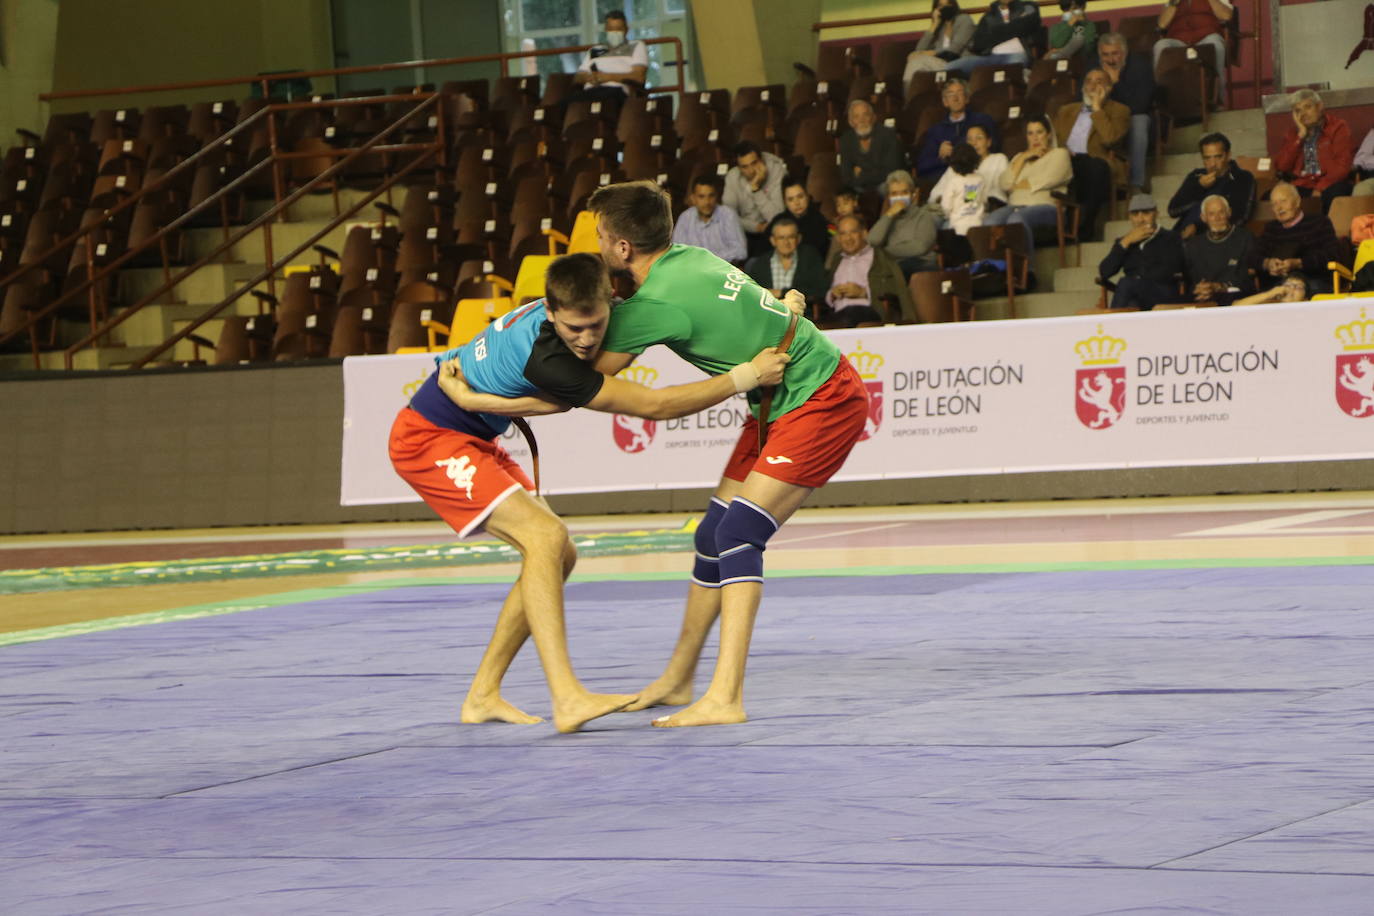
(941, 137)
(868, 150)
(1219, 175)
(1004, 37)
(1295, 243)
(1150, 259)
(791, 265)
(1133, 85)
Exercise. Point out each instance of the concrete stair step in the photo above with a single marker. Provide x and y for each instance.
(1036, 305)
(208, 285)
(107, 357)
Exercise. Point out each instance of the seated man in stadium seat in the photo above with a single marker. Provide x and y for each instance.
(1092, 129)
(792, 265)
(1193, 24)
(868, 150)
(444, 443)
(1004, 37)
(1133, 85)
(1294, 242)
(1219, 261)
(1317, 151)
(939, 139)
(906, 231)
(1149, 258)
(753, 189)
(709, 224)
(1219, 175)
(861, 276)
(609, 72)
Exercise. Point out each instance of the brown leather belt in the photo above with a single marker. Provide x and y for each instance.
(766, 400)
(528, 433)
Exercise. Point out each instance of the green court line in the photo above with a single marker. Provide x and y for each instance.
(301, 596)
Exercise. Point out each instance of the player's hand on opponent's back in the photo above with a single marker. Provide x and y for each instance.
(770, 365)
(795, 301)
(453, 384)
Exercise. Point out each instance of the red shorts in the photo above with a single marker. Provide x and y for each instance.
(461, 477)
(806, 446)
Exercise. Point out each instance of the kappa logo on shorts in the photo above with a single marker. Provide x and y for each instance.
(778, 459)
(460, 470)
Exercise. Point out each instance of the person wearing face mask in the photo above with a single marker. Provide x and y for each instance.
(947, 39)
(1149, 257)
(868, 150)
(1003, 38)
(906, 231)
(1294, 242)
(608, 74)
(1074, 33)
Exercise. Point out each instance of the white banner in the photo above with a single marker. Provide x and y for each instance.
(1209, 386)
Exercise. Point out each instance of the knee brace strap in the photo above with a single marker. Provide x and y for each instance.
(741, 539)
(706, 568)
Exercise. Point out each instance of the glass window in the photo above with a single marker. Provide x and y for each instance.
(538, 15)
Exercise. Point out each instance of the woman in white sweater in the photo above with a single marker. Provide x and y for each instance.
(1031, 178)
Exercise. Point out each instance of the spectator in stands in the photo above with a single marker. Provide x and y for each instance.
(609, 72)
(1364, 166)
(709, 224)
(939, 140)
(1295, 243)
(846, 204)
(991, 164)
(906, 230)
(1149, 258)
(1074, 34)
(753, 189)
(868, 150)
(1194, 24)
(1031, 179)
(1219, 175)
(861, 276)
(947, 39)
(1133, 85)
(959, 198)
(1219, 260)
(792, 265)
(1292, 289)
(815, 232)
(1093, 129)
(1317, 151)
(1004, 37)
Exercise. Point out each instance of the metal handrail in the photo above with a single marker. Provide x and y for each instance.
(1257, 35)
(348, 155)
(265, 80)
(130, 200)
(276, 265)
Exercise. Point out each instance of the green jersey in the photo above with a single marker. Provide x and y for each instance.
(712, 315)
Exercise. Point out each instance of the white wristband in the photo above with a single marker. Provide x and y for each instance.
(745, 377)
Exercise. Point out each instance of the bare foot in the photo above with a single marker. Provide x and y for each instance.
(663, 692)
(493, 709)
(705, 711)
(571, 715)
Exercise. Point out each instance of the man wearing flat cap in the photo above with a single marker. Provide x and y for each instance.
(1149, 258)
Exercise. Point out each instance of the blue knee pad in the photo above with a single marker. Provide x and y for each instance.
(706, 568)
(741, 539)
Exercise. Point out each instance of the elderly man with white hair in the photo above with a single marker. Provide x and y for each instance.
(1294, 242)
(868, 150)
(1318, 150)
(1219, 262)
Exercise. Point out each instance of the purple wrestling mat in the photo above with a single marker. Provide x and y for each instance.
(1029, 743)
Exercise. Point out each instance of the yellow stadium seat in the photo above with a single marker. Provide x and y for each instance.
(583, 236)
(470, 316)
(529, 282)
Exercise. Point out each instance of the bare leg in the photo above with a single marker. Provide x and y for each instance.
(484, 702)
(542, 540)
(674, 686)
(723, 702)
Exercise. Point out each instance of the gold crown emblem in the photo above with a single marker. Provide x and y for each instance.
(1100, 349)
(640, 375)
(1357, 335)
(865, 361)
(414, 386)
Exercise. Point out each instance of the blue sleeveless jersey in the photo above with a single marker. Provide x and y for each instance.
(492, 362)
